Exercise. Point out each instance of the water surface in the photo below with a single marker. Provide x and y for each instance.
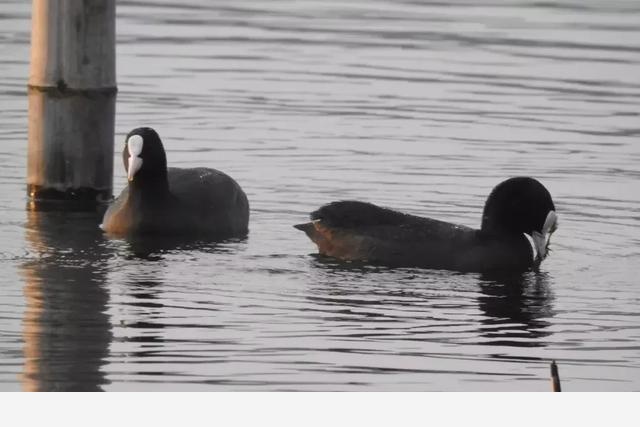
(421, 106)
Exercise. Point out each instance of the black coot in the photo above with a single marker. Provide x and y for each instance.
(518, 220)
(198, 202)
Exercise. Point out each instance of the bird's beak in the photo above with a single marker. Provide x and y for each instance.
(134, 145)
(135, 163)
(541, 239)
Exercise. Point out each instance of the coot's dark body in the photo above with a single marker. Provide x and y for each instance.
(174, 201)
(359, 231)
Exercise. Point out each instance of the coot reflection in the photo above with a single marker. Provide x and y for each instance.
(517, 309)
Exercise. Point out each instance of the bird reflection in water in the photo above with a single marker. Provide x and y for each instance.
(67, 331)
(517, 308)
(142, 310)
(153, 248)
(144, 318)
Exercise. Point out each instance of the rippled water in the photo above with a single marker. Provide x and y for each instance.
(421, 106)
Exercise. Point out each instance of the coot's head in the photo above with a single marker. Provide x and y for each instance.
(522, 205)
(143, 155)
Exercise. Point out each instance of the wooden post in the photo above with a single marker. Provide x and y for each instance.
(72, 93)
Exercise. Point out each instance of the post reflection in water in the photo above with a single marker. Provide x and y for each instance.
(517, 309)
(66, 328)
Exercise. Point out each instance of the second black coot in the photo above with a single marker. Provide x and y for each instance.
(518, 220)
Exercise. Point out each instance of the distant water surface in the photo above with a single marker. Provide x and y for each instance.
(417, 105)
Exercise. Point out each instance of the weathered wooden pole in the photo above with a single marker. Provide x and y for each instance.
(72, 94)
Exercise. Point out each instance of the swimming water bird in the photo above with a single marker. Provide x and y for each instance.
(518, 219)
(165, 201)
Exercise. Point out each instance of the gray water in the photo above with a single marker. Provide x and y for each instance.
(416, 105)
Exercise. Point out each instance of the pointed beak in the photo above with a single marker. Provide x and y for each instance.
(541, 239)
(135, 163)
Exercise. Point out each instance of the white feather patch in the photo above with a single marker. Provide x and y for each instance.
(135, 144)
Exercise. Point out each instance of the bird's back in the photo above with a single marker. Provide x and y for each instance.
(210, 200)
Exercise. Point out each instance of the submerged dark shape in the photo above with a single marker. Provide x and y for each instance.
(517, 308)
(517, 222)
(173, 201)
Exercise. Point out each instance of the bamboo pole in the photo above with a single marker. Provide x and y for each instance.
(72, 93)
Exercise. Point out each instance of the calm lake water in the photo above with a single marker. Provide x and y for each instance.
(417, 105)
